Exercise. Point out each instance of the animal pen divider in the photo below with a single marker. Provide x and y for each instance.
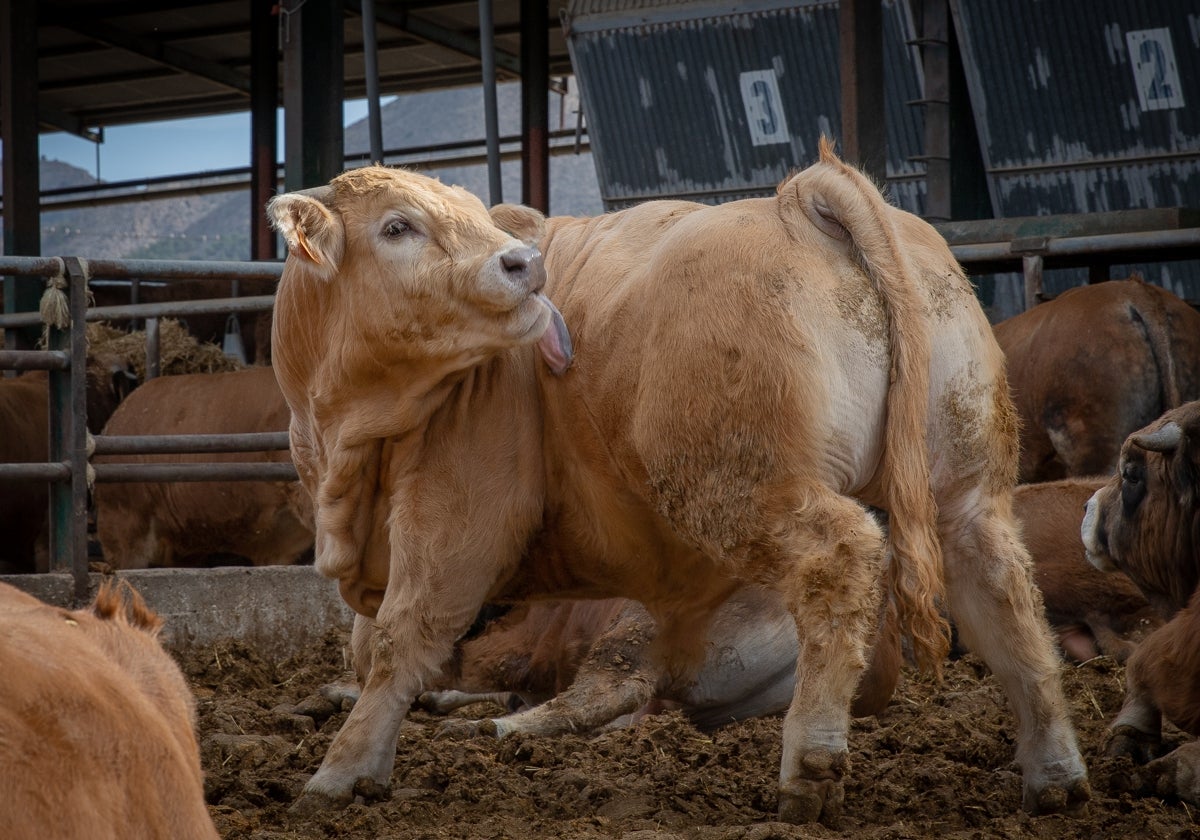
(1026, 245)
(64, 313)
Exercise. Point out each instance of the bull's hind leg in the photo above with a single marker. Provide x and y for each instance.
(999, 615)
(829, 558)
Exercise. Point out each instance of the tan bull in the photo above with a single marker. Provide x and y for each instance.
(746, 379)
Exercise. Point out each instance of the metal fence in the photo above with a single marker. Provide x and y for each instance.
(65, 359)
(1027, 246)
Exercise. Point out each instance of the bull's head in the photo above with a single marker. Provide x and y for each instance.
(415, 270)
(1146, 520)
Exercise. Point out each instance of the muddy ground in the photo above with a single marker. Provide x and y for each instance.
(936, 764)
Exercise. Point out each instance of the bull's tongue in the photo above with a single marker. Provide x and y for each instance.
(555, 343)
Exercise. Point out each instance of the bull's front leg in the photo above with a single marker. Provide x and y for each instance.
(394, 655)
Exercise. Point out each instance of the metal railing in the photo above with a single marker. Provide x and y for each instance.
(69, 467)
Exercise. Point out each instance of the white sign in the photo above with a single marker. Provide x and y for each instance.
(1155, 73)
(764, 107)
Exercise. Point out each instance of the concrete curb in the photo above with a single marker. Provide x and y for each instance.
(277, 610)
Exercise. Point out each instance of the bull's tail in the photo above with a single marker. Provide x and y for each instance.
(844, 204)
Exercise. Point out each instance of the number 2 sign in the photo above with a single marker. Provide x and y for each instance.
(1155, 73)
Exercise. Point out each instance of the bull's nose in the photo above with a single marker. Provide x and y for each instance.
(525, 264)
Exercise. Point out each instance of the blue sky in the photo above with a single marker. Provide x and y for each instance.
(173, 147)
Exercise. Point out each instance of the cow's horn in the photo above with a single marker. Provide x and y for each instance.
(323, 193)
(1161, 440)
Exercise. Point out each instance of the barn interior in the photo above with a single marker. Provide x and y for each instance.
(924, 94)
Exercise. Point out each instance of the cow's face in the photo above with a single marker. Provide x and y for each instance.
(420, 268)
(1146, 520)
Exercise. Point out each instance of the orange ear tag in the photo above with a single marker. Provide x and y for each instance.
(309, 251)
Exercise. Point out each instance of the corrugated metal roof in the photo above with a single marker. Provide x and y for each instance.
(713, 102)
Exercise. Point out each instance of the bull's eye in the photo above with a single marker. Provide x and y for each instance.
(1131, 473)
(396, 228)
(1133, 486)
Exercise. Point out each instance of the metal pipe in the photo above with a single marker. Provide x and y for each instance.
(34, 360)
(270, 471)
(153, 349)
(371, 70)
(53, 471)
(179, 444)
(257, 303)
(487, 55)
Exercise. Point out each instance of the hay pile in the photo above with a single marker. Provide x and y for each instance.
(179, 351)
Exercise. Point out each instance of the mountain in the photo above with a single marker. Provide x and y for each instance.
(217, 226)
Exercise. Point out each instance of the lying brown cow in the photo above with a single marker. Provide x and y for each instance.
(1092, 366)
(1091, 612)
(144, 524)
(1146, 522)
(537, 650)
(24, 438)
(96, 724)
(541, 649)
(747, 379)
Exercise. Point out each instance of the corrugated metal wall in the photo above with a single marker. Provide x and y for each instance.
(689, 100)
(1086, 106)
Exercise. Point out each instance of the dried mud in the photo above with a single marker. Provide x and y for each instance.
(937, 763)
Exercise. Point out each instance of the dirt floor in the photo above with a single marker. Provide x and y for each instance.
(938, 763)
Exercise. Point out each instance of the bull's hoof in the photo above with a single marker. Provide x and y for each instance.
(457, 729)
(1139, 746)
(818, 794)
(1070, 798)
(311, 802)
(1174, 776)
(370, 790)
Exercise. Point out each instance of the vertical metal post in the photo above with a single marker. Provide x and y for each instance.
(535, 117)
(314, 84)
(153, 349)
(68, 439)
(19, 138)
(935, 60)
(487, 56)
(860, 66)
(264, 124)
(1031, 265)
(371, 69)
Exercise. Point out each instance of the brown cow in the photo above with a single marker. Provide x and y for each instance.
(537, 650)
(147, 524)
(1145, 522)
(748, 379)
(97, 733)
(1092, 366)
(1091, 612)
(24, 438)
(579, 651)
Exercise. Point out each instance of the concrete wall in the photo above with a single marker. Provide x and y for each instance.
(277, 610)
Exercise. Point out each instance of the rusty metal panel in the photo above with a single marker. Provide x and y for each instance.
(713, 102)
(1087, 106)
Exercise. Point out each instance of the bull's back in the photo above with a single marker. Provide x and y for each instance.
(185, 522)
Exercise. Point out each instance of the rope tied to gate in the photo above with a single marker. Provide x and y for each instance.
(90, 447)
(55, 308)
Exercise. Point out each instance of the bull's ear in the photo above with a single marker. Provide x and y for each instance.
(314, 235)
(524, 223)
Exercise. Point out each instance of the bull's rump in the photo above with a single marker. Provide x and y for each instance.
(727, 343)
